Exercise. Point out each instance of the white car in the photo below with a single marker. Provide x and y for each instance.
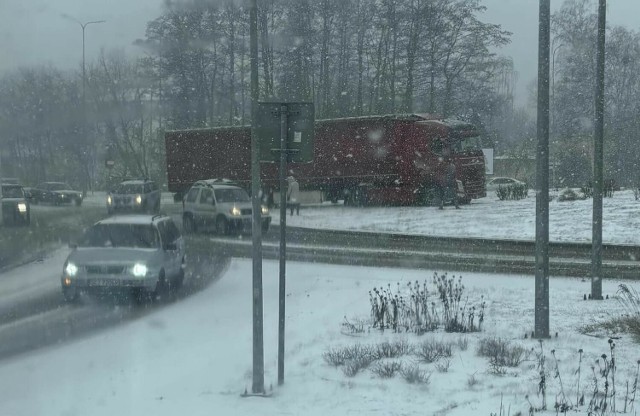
(222, 205)
(143, 254)
(494, 183)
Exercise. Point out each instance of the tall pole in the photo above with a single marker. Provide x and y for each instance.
(598, 155)
(84, 77)
(256, 228)
(283, 242)
(541, 329)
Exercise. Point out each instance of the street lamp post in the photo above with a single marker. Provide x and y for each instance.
(84, 75)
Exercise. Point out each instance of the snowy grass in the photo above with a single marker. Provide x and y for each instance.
(486, 218)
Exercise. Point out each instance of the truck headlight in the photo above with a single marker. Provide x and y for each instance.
(138, 199)
(109, 200)
(235, 211)
(265, 210)
(22, 207)
(139, 270)
(71, 269)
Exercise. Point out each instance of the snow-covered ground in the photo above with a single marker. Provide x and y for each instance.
(194, 357)
(486, 217)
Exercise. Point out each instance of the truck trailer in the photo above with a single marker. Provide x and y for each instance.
(382, 160)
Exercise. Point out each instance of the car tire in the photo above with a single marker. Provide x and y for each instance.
(176, 284)
(162, 287)
(222, 226)
(265, 227)
(71, 294)
(78, 202)
(189, 225)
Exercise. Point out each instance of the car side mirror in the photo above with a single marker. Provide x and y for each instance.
(171, 246)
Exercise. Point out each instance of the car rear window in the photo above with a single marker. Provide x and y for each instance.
(121, 235)
(231, 195)
(58, 186)
(12, 192)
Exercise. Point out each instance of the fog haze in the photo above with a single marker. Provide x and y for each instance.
(36, 33)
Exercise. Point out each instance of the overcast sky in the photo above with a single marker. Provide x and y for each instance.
(34, 32)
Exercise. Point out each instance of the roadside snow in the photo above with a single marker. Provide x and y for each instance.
(486, 217)
(194, 357)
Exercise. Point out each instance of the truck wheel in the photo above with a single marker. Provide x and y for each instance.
(222, 226)
(265, 227)
(360, 197)
(428, 197)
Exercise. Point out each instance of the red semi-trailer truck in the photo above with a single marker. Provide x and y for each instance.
(389, 160)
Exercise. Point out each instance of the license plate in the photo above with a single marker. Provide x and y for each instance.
(104, 283)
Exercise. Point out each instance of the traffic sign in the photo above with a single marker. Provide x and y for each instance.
(300, 121)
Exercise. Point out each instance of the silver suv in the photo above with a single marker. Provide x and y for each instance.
(140, 253)
(134, 196)
(220, 204)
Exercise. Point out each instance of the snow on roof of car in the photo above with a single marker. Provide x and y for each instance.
(218, 183)
(131, 219)
(134, 182)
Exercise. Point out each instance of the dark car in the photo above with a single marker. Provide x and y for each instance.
(15, 205)
(134, 196)
(56, 193)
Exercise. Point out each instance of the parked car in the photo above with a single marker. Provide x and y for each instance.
(143, 254)
(15, 205)
(134, 196)
(218, 204)
(56, 193)
(494, 183)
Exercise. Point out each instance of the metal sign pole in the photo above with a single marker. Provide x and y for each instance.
(541, 326)
(283, 241)
(256, 204)
(598, 155)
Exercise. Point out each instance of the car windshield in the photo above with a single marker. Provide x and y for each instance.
(232, 195)
(120, 235)
(128, 188)
(58, 186)
(12, 191)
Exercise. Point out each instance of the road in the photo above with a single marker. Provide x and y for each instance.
(33, 314)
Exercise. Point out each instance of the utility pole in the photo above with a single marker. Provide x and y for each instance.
(256, 228)
(541, 329)
(598, 156)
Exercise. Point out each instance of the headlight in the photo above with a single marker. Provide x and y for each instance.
(61, 196)
(109, 200)
(138, 199)
(71, 269)
(265, 210)
(139, 270)
(235, 211)
(22, 207)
